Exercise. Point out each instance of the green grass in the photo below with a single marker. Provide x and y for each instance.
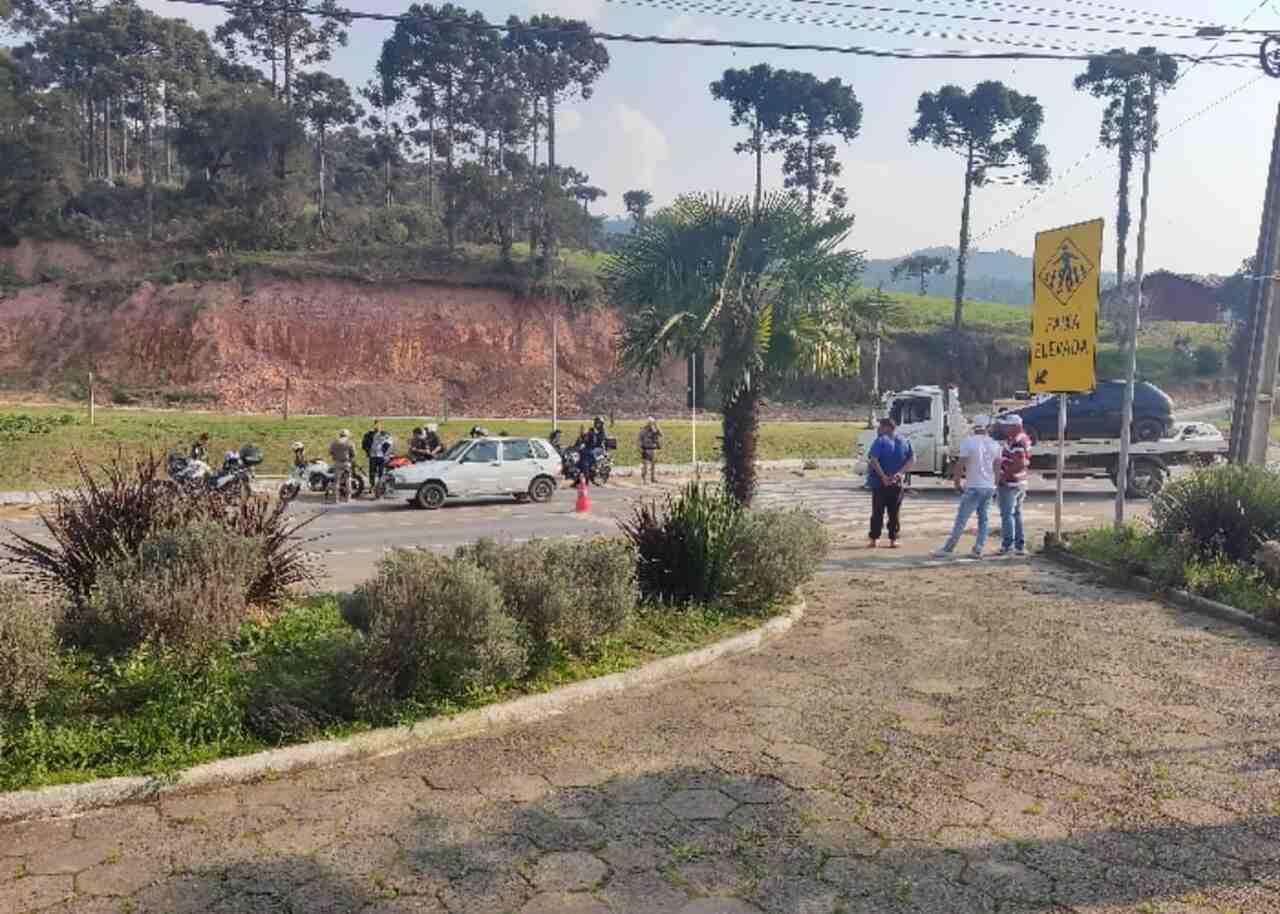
(932, 312)
(1136, 550)
(144, 715)
(41, 459)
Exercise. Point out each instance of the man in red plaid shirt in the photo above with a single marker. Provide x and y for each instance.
(1011, 489)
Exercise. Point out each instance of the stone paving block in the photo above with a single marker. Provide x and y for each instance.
(298, 838)
(408, 904)
(633, 856)
(700, 804)
(27, 838)
(559, 903)
(124, 877)
(719, 906)
(523, 788)
(643, 893)
(71, 857)
(34, 893)
(572, 871)
(120, 824)
(485, 892)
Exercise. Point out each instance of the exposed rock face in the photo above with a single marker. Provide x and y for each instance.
(348, 347)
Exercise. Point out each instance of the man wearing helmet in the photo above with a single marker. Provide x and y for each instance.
(299, 454)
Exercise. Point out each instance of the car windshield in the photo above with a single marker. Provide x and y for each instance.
(456, 451)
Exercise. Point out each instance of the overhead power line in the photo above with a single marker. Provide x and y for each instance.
(764, 13)
(853, 50)
(1030, 203)
(1071, 26)
(1075, 11)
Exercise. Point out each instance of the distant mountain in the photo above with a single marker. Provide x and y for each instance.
(617, 225)
(999, 276)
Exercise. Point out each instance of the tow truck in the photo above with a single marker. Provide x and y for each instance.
(932, 419)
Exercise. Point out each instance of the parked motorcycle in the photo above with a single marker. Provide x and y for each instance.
(383, 486)
(235, 478)
(317, 476)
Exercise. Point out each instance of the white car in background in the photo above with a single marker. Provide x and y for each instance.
(525, 468)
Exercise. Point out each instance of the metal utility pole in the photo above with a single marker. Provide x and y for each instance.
(693, 410)
(1251, 415)
(1126, 415)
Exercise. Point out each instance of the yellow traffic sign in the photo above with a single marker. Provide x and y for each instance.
(1064, 311)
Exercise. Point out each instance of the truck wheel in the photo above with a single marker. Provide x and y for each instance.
(430, 496)
(1145, 479)
(1148, 430)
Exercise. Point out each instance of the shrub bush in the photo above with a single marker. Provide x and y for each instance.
(775, 551)
(1234, 583)
(1221, 510)
(28, 648)
(100, 522)
(1209, 359)
(562, 592)
(684, 547)
(434, 625)
(186, 590)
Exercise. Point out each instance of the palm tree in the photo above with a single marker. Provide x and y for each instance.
(769, 288)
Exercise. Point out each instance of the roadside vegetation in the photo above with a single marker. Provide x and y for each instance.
(1215, 532)
(160, 630)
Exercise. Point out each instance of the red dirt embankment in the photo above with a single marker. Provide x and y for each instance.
(349, 347)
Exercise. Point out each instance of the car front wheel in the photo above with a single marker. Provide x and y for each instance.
(431, 495)
(542, 488)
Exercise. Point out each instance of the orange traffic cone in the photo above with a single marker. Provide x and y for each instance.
(584, 499)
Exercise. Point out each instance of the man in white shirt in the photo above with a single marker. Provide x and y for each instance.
(975, 472)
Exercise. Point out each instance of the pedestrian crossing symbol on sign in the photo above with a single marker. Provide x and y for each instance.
(1065, 272)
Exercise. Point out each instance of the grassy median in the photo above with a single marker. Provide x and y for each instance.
(37, 442)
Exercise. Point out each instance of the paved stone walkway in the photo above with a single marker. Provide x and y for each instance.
(980, 738)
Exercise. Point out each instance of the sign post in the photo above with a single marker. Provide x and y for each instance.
(1064, 324)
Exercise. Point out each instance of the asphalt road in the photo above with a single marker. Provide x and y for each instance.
(349, 539)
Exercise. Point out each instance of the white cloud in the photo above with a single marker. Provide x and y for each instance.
(568, 120)
(637, 147)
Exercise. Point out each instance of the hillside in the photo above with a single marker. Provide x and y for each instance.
(994, 276)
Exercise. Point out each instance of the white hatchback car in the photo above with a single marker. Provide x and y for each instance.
(480, 467)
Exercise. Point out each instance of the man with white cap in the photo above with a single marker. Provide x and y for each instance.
(975, 474)
(650, 443)
(1014, 470)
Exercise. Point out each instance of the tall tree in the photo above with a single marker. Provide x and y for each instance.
(995, 131)
(813, 110)
(448, 49)
(921, 267)
(324, 102)
(1125, 80)
(637, 203)
(281, 35)
(588, 194)
(757, 98)
(770, 286)
(559, 58)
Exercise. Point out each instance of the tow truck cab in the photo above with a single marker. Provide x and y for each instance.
(929, 417)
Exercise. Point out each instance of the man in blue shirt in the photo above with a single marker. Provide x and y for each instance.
(888, 463)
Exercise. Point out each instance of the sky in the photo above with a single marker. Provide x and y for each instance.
(651, 122)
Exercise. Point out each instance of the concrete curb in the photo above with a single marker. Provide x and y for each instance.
(72, 799)
(1182, 598)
